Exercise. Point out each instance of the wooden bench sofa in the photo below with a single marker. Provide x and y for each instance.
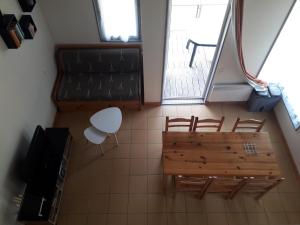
(98, 76)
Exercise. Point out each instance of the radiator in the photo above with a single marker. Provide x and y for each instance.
(230, 93)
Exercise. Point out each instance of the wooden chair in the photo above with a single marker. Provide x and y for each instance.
(229, 186)
(248, 124)
(179, 122)
(262, 185)
(193, 184)
(208, 123)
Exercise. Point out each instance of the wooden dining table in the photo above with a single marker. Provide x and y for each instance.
(243, 154)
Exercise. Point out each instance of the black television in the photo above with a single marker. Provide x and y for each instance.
(34, 155)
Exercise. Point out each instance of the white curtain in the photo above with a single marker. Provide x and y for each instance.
(118, 19)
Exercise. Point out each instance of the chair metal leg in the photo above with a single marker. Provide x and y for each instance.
(188, 44)
(117, 142)
(193, 55)
(101, 149)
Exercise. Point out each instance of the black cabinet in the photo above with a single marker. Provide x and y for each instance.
(27, 5)
(42, 196)
(8, 31)
(28, 27)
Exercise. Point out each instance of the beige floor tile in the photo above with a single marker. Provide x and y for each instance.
(117, 219)
(137, 219)
(169, 110)
(137, 203)
(204, 111)
(272, 202)
(177, 218)
(75, 204)
(97, 219)
(185, 110)
(155, 166)
(155, 183)
(138, 184)
(76, 220)
(235, 205)
(293, 218)
(122, 151)
(175, 203)
(214, 203)
(154, 137)
(126, 122)
(121, 166)
(99, 203)
(138, 166)
(120, 184)
(257, 219)
(100, 185)
(139, 122)
(118, 203)
(124, 136)
(252, 205)
(277, 218)
(291, 201)
(237, 219)
(157, 219)
(235, 110)
(156, 203)
(155, 123)
(139, 136)
(154, 151)
(216, 219)
(62, 219)
(97, 166)
(196, 219)
(138, 151)
(194, 204)
(154, 111)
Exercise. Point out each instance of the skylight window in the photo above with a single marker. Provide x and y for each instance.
(282, 65)
(118, 20)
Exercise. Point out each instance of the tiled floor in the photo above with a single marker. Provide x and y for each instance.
(124, 187)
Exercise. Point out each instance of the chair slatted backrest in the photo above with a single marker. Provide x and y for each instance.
(193, 184)
(261, 185)
(229, 186)
(179, 122)
(208, 123)
(248, 124)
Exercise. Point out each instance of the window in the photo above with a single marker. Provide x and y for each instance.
(282, 65)
(118, 20)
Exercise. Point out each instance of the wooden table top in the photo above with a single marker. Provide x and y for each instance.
(218, 154)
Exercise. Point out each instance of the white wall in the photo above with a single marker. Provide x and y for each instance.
(71, 21)
(291, 136)
(153, 15)
(26, 79)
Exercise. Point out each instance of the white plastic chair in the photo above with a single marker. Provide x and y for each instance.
(95, 136)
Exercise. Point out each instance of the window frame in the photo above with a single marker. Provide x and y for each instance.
(118, 40)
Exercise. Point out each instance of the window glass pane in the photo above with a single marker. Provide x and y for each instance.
(282, 64)
(118, 19)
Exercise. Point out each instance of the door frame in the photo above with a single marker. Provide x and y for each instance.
(217, 55)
